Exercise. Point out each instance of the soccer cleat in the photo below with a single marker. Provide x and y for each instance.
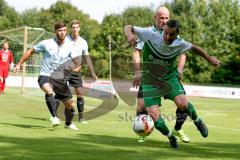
(181, 135)
(141, 139)
(72, 127)
(173, 141)
(201, 127)
(55, 121)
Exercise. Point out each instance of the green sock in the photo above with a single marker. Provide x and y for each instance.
(191, 112)
(161, 126)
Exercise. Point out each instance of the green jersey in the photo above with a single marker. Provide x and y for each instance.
(157, 52)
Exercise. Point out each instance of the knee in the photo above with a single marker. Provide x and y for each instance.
(69, 103)
(181, 104)
(153, 114)
(140, 103)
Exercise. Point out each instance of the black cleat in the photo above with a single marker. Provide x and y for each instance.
(173, 141)
(202, 128)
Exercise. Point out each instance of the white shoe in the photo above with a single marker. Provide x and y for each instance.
(55, 121)
(72, 126)
(50, 119)
(82, 121)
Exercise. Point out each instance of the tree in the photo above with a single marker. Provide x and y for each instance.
(9, 18)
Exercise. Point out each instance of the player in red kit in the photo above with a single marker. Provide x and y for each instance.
(6, 61)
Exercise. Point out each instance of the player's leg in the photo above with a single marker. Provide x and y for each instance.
(1, 82)
(160, 125)
(140, 110)
(45, 85)
(181, 114)
(5, 75)
(76, 82)
(69, 113)
(152, 104)
(63, 93)
(184, 105)
(1, 79)
(80, 104)
(181, 117)
(140, 103)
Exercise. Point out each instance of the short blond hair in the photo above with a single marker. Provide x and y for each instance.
(75, 22)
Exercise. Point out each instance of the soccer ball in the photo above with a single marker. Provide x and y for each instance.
(143, 125)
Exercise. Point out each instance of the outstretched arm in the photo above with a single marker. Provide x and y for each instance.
(181, 63)
(131, 38)
(136, 65)
(90, 66)
(25, 57)
(214, 61)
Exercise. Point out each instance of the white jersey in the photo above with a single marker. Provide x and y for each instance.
(140, 43)
(158, 46)
(80, 46)
(53, 55)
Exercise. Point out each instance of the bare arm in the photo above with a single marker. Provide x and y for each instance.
(181, 63)
(214, 61)
(77, 64)
(131, 38)
(136, 65)
(25, 57)
(90, 66)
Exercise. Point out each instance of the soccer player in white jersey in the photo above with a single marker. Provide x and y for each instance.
(80, 49)
(161, 50)
(55, 51)
(160, 19)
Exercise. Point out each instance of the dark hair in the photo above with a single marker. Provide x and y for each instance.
(59, 25)
(75, 22)
(173, 23)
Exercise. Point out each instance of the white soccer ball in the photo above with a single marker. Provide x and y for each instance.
(143, 125)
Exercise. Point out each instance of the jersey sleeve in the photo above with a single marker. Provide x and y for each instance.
(85, 48)
(39, 47)
(140, 44)
(144, 34)
(185, 46)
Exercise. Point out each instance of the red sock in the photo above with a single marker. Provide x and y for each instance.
(3, 85)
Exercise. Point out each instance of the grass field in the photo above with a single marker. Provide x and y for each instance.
(26, 133)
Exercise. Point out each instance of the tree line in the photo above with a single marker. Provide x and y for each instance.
(214, 25)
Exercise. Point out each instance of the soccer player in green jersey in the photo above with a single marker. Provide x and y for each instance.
(160, 77)
(160, 19)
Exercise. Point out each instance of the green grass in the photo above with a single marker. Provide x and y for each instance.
(26, 133)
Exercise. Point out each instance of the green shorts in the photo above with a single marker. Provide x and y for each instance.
(168, 89)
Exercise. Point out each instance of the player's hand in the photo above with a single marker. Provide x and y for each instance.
(132, 40)
(137, 79)
(11, 66)
(77, 69)
(214, 61)
(180, 75)
(16, 69)
(94, 76)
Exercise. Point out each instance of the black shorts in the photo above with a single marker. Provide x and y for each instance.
(74, 79)
(60, 87)
(140, 92)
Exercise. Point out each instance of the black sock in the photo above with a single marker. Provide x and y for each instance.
(69, 113)
(80, 107)
(51, 104)
(181, 116)
(57, 103)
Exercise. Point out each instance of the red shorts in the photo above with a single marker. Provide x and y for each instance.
(4, 72)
